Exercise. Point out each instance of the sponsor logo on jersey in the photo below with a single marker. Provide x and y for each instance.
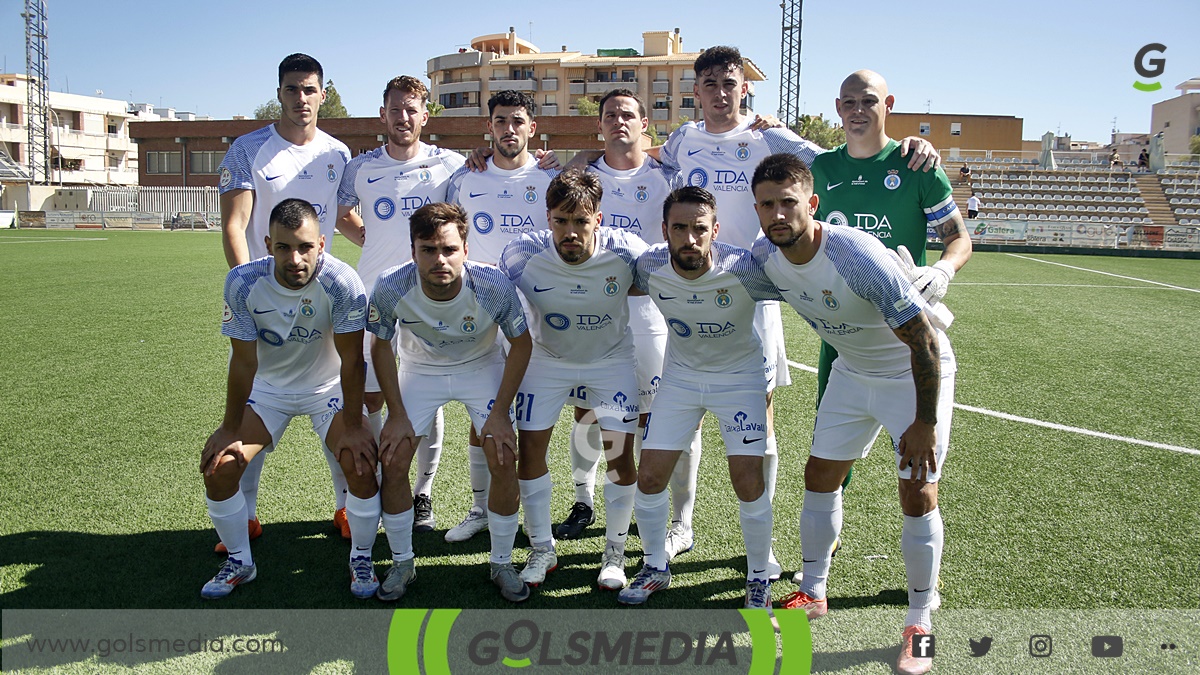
(724, 299)
(803, 296)
(710, 329)
(617, 193)
(531, 194)
(642, 194)
(270, 337)
(619, 403)
(306, 308)
(303, 335)
(320, 209)
(902, 304)
(743, 152)
(473, 195)
(373, 314)
(835, 328)
(558, 321)
(611, 288)
(384, 208)
(681, 329)
(837, 218)
(440, 326)
(271, 178)
(692, 152)
(482, 222)
(541, 290)
(578, 290)
(304, 175)
(698, 178)
(227, 314)
(356, 314)
(695, 300)
(620, 222)
(468, 324)
(718, 152)
(725, 180)
(265, 311)
(331, 174)
(858, 181)
(375, 180)
(829, 186)
(742, 424)
(592, 321)
(226, 177)
(892, 180)
(829, 301)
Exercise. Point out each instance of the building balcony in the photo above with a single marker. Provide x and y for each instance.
(501, 83)
(605, 87)
(660, 114)
(661, 86)
(472, 111)
(578, 88)
(470, 59)
(549, 109)
(549, 84)
(459, 87)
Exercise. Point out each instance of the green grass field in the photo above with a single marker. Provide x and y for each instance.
(114, 370)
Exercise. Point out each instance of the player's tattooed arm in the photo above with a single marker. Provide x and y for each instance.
(918, 443)
(956, 241)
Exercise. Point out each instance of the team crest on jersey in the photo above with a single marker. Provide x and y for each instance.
(424, 175)
(468, 324)
(385, 208)
(373, 314)
(642, 194)
(830, 301)
(331, 174)
(227, 315)
(611, 288)
(743, 152)
(226, 177)
(892, 180)
(306, 308)
(530, 194)
(697, 178)
(837, 218)
(724, 299)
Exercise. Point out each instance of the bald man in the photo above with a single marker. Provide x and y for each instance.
(867, 184)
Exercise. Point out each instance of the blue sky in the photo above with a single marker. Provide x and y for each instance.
(1062, 66)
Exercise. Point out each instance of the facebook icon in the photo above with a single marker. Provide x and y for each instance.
(922, 646)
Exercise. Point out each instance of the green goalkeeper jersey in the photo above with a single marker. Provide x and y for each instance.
(883, 196)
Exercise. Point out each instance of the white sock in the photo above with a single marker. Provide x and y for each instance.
(363, 516)
(398, 527)
(756, 533)
(638, 438)
(502, 530)
(683, 484)
(618, 510)
(229, 517)
(375, 423)
(584, 460)
(820, 523)
(652, 527)
(771, 467)
(340, 487)
(481, 477)
(535, 502)
(248, 485)
(921, 544)
(429, 454)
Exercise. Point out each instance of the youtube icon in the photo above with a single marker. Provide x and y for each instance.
(1108, 646)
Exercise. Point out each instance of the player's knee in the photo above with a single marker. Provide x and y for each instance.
(822, 475)
(652, 483)
(227, 473)
(396, 468)
(917, 499)
(748, 486)
(373, 400)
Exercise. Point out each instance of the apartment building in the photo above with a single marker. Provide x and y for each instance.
(661, 74)
(89, 135)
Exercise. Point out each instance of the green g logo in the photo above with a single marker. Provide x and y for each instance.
(1149, 68)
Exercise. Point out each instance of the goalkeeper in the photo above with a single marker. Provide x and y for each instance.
(867, 184)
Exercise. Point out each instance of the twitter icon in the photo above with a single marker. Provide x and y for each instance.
(980, 647)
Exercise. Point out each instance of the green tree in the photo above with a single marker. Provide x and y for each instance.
(683, 119)
(435, 109)
(1195, 145)
(819, 131)
(271, 110)
(587, 107)
(332, 107)
(655, 139)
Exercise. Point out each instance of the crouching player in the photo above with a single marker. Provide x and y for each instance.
(448, 310)
(894, 369)
(295, 320)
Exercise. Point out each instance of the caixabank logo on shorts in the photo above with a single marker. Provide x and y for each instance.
(611, 641)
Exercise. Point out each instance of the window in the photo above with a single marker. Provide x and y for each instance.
(688, 102)
(660, 75)
(112, 129)
(661, 104)
(114, 162)
(551, 99)
(164, 162)
(463, 99)
(924, 129)
(956, 128)
(628, 76)
(206, 161)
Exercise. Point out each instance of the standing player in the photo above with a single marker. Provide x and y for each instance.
(707, 291)
(290, 319)
(501, 203)
(391, 182)
(892, 363)
(576, 276)
(290, 158)
(449, 310)
(867, 184)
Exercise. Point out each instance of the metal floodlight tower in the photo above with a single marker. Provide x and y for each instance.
(37, 106)
(789, 62)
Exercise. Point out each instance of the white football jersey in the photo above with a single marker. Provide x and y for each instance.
(580, 314)
(454, 336)
(853, 294)
(633, 201)
(276, 169)
(724, 163)
(501, 205)
(389, 191)
(294, 328)
(710, 319)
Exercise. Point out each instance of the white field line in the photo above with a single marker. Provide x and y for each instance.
(989, 283)
(1107, 274)
(32, 240)
(1049, 425)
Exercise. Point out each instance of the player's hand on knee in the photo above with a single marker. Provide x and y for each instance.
(917, 450)
(547, 159)
(396, 437)
(360, 443)
(219, 444)
(498, 431)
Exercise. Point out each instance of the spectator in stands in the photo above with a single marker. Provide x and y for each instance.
(1114, 159)
(964, 174)
(972, 206)
(1143, 163)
